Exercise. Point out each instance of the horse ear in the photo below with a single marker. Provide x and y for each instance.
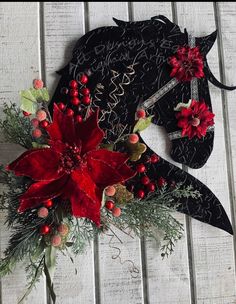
(120, 22)
(205, 43)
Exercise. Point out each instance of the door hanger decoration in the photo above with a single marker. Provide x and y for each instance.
(86, 170)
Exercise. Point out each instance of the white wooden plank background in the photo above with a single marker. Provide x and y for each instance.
(35, 41)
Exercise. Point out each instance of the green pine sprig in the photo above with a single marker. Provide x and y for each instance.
(15, 126)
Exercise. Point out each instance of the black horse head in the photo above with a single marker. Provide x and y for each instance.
(126, 65)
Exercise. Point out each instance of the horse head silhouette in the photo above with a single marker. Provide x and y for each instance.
(128, 68)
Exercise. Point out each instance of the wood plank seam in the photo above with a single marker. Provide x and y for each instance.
(42, 75)
(86, 17)
(42, 42)
(143, 249)
(96, 271)
(96, 259)
(229, 158)
(130, 11)
(188, 222)
(144, 271)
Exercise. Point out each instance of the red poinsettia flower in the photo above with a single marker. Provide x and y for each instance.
(195, 119)
(72, 168)
(186, 64)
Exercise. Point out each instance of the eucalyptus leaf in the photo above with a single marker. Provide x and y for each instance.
(40, 94)
(49, 269)
(69, 244)
(136, 150)
(37, 145)
(50, 260)
(49, 282)
(28, 102)
(122, 195)
(142, 124)
(182, 105)
(29, 99)
(109, 147)
(103, 198)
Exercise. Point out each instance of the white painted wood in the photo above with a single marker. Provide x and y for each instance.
(168, 280)
(101, 14)
(63, 26)
(169, 276)
(116, 283)
(227, 15)
(19, 65)
(212, 248)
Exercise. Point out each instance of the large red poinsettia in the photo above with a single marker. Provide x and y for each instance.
(195, 119)
(186, 64)
(72, 168)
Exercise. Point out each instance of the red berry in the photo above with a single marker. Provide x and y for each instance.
(161, 182)
(45, 229)
(75, 101)
(145, 180)
(133, 138)
(61, 106)
(86, 100)
(26, 113)
(140, 168)
(56, 240)
(37, 133)
(38, 84)
(48, 203)
(43, 212)
(83, 79)
(141, 113)
(44, 124)
(155, 158)
(109, 205)
(63, 229)
(35, 122)
(110, 191)
(151, 187)
(85, 91)
(69, 112)
(74, 93)
(140, 193)
(41, 115)
(116, 212)
(73, 84)
(78, 118)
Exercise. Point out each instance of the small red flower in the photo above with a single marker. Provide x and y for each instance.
(195, 120)
(73, 168)
(186, 64)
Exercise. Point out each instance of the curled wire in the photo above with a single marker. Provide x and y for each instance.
(98, 92)
(133, 269)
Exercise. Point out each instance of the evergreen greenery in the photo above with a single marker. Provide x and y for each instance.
(15, 127)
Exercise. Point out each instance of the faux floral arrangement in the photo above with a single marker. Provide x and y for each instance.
(70, 185)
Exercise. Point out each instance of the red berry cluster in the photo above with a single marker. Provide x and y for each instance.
(110, 204)
(78, 96)
(39, 123)
(43, 213)
(147, 185)
(56, 232)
